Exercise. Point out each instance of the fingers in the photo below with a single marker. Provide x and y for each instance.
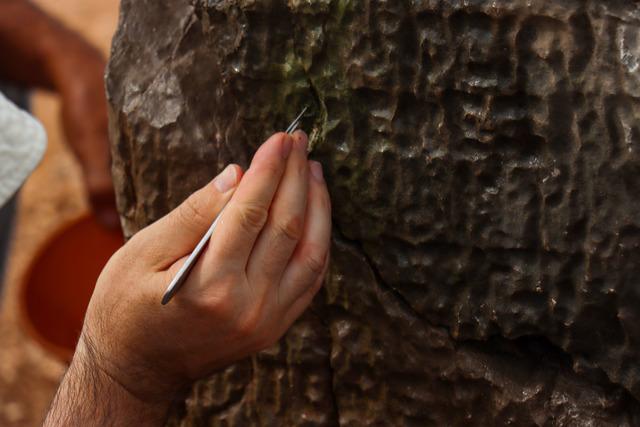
(285, 224)
(247, 212)
(310, 256)
(301, 304)
(177, 233)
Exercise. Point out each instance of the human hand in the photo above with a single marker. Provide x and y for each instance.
(78, 74)
(46, 54)
(265, 262)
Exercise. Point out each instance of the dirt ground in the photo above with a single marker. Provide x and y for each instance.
(52, 196)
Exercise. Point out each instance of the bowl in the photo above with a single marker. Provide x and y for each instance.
(60, 280)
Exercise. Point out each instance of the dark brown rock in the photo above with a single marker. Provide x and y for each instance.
(484, 170)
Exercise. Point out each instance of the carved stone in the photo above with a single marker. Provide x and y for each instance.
(484, 169)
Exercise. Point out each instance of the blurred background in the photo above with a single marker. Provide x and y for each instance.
(52, 197)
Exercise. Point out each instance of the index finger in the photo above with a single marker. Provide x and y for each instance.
(247, 212)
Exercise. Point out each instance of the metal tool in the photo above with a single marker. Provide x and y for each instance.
(183, 273)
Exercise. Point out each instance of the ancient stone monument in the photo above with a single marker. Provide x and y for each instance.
(483, 159)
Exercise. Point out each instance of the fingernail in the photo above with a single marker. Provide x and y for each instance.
(303, 140)
(316, 171)
(286, 146)
(226, 180)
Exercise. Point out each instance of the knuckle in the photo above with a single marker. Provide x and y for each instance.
(210, 306)
(253, 217)
(249, 324)
(219, 305)
(290, 227)
(193, 213)
(314, 259)
(219, 299)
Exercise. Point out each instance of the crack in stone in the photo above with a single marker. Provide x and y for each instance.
(378, 276)
(452, 81)
(564, 360)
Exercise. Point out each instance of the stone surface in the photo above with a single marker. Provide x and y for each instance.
(483, 164)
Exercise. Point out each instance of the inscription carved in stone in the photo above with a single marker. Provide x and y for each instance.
(484, 168)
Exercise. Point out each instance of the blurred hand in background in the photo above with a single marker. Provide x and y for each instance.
(40, 52)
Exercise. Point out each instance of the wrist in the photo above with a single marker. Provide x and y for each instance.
(104, 396)
(88, 395)
(154, 386)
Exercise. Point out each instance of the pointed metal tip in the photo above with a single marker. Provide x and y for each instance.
(294, 124)
(169, 293)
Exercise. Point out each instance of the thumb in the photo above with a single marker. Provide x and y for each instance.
(177, 233)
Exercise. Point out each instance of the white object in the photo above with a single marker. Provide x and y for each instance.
(22, 144)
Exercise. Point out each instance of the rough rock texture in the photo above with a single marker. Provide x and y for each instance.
(484, 169)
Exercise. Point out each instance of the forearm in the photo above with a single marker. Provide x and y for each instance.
(88, 396)
(37, 50)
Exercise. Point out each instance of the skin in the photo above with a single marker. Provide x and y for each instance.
(46, 55)
(265, 262)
